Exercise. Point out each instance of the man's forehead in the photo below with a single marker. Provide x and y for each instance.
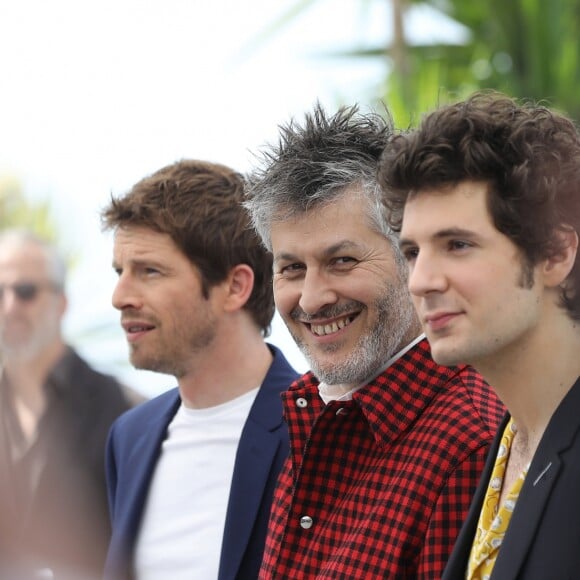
(23, 257)
(446, 206)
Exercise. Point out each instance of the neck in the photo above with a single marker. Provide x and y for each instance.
(27, 379)
(236, 363)
(532, 377)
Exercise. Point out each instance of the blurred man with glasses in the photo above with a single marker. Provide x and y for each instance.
(55, 412)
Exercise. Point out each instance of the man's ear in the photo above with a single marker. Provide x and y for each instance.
(240, 283)
(557, 268)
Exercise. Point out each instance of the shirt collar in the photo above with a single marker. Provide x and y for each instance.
(333, 393)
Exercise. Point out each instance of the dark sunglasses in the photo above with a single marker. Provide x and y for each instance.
(24, 291)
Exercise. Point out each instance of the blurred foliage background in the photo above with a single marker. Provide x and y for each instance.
(528, 49)
(17, 211)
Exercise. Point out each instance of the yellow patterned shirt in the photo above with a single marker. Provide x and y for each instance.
(494, 520)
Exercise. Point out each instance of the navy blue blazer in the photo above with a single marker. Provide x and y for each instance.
(543, 538)
(133, 449)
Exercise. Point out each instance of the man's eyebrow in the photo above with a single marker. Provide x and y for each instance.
(139, 263)
(284, 257)
(444, 234)
(454, 232)
(340, 246)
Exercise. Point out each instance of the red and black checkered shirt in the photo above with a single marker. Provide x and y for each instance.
(378, 487)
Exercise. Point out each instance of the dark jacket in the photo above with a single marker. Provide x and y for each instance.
(543, 537)
(132, 454)
(65, 528)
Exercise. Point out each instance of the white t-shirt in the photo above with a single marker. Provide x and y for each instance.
(183, 524)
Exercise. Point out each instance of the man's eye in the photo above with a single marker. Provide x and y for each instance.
(344, 261)
(410, 254)
(290, 269)
(458, 245)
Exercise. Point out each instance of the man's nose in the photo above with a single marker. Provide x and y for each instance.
(317, 292)
(426, 275)
(126, 293)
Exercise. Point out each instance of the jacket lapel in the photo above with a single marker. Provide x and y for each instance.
(137, 469)
(258, 450)
(535, 493)
(253, 464)
(527, 516)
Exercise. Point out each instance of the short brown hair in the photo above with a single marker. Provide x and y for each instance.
(199, 205)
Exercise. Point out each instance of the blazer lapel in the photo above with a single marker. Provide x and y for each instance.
(535, 493)
(256, 453)
(138, 467)
(526, 518)
(259, 448)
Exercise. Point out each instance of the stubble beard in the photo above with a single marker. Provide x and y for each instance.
(173, 360)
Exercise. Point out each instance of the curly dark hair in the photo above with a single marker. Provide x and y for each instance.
(528, 155)
(314, 162)
(199, 205)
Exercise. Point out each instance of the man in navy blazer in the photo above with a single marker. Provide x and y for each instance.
(487, 197)
(191, 473)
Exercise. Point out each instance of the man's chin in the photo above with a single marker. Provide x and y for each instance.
(331, 372)
(447, 357)
(142, 364)
(154, 366)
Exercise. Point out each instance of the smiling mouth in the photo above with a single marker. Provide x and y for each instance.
(136, 328)
(331, 328)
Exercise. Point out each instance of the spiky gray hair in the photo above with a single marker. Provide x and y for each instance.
(312, 164)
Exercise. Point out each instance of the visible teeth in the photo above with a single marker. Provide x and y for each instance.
(136, 328)
(325, 329)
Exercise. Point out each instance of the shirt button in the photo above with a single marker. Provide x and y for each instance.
(306, 522)
(301, 402)
(342, 411)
